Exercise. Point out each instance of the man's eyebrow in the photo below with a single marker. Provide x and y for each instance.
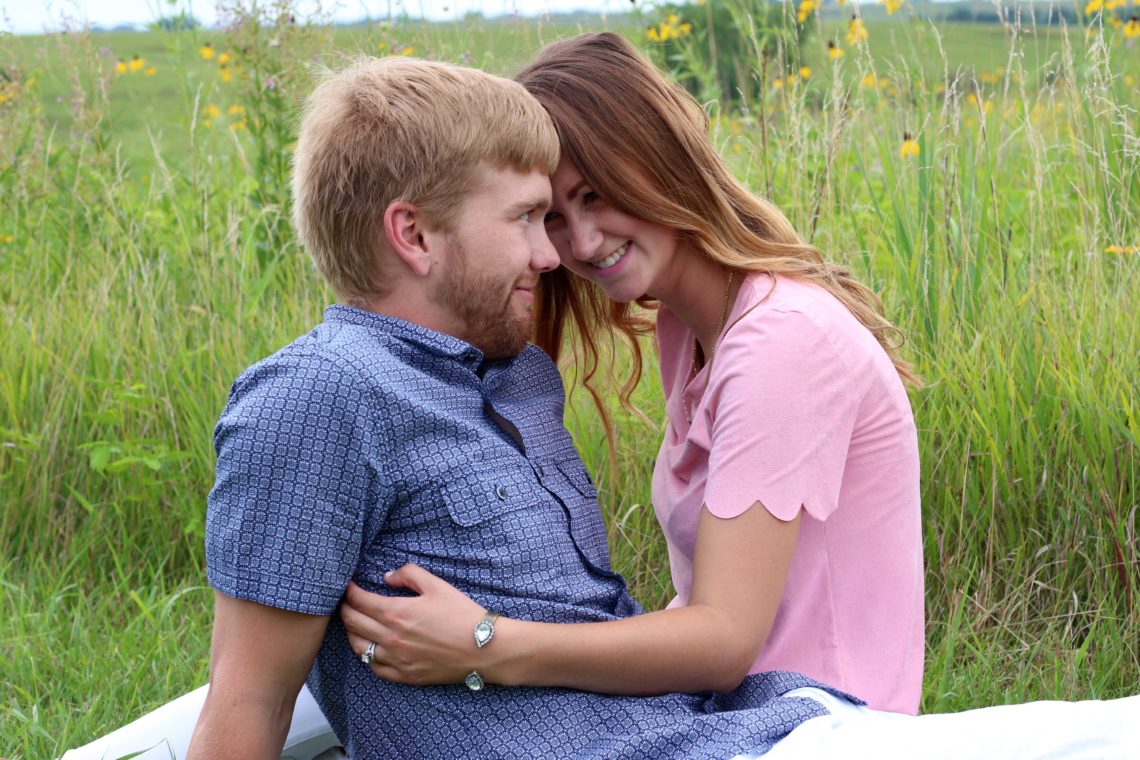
(538, 201)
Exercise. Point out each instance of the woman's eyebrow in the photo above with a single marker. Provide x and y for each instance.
(575, 189)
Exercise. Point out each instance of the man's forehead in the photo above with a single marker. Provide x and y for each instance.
(510, 186)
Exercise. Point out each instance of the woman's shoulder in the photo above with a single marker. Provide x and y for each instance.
(762, 294)
(804, 321)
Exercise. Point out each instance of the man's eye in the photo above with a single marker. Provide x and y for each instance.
(525, 216)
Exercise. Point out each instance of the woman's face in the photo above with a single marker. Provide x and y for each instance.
(627, 256)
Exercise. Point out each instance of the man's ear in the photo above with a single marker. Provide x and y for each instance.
(407, 234)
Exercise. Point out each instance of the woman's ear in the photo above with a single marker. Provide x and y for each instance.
(408, 237)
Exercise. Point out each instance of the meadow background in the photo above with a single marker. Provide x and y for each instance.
(982, 177)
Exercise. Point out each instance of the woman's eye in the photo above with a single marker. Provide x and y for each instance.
(551, 217)
(589, 197)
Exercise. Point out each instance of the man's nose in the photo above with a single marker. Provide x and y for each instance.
(544, 256)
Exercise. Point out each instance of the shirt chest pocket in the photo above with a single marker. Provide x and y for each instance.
(498, 490)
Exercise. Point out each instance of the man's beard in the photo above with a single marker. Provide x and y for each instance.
(483, 305)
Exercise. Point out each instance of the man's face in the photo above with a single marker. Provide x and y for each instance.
(493, 257)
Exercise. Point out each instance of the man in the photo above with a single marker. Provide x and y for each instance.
(417, 425)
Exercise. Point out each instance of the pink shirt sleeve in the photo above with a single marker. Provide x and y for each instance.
(783, 407)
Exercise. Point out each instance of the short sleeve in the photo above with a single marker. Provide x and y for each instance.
(783, 407)
(285, 521)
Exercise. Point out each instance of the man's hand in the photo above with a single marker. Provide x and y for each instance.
(259, 657)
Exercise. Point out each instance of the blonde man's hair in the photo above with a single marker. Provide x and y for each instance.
(388, 129)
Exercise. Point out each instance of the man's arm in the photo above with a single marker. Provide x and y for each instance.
(259, 657)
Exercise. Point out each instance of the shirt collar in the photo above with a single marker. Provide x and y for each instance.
(437, 343)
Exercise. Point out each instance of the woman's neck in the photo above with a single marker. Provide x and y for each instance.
(698, 290)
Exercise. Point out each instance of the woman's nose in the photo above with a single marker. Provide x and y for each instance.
(584, 239)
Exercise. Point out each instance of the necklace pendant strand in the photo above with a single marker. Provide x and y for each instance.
(685, 402)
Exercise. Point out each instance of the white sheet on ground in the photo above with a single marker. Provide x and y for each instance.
(1090, 730)
(165, 733)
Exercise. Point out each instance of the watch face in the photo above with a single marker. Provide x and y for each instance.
(483, 632)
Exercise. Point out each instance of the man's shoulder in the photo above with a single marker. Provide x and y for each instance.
(328, 356)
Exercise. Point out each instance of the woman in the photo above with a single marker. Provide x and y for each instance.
(787, 481)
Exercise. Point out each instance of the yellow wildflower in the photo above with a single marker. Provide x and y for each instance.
(652, 33)
(211, 111)
(408, 50)
(884, 82)
(235, 110)
(150, 71)
(856, 31)
(120, 67)
(237, 125)
(1109, 249)
(909, 147)
(870, 81)
(778, 84)
(1132, 28)
(206, 51)
(225, 73)
(6, 239)
(805, 72)
(1111, 5)
(1094, 6)
(984, 107)
(684, 29)
(834, 52)
(1129, 80)
(841, 2)
(1115, 22)
(137, 64)
(892, 6)
(381, 45)
(224, 58)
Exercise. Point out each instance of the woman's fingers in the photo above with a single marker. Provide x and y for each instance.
(365, 601)
(410, 576)
(360, 622)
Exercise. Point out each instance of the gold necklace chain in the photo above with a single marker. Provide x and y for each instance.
(693, 364)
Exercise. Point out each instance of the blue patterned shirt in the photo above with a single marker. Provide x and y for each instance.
(367, 444)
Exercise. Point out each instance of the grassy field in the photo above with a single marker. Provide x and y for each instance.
(146, 259)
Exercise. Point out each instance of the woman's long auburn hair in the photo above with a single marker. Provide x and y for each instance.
(642, 144)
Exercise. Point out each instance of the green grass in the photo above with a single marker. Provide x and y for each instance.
(145, 260)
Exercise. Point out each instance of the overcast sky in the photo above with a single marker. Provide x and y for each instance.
(37, 16)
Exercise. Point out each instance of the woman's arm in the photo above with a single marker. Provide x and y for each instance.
(739, 570)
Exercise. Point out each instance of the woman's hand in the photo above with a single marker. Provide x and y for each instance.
(420, 640)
